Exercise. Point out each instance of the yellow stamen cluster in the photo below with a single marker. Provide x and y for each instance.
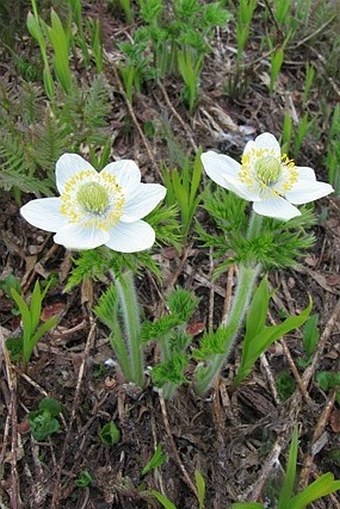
(95, 200)
(263, 169)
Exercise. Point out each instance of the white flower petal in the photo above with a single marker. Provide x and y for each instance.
(249, 146)
(268, 141)
(305, 192)
(44, 213)
(127, 174)
(145, 198)
(306, 173)
(277, 207)
(131, 237)
(225, 171)
(76, 236)
(67, 166)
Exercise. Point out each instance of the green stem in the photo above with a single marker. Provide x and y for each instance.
(131, 317)
(206, 375)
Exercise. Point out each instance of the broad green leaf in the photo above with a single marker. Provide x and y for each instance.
(35, 305)
(262, 341)
(156, 460)
(200, 485)
(25, 315)
(322, 487)
(33, 340)
(166, 503)
(257, 313)
(311, 334)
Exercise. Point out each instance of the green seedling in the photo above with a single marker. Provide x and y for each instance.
(285, 384)
(329, 380)
(333, 151)
(190, 67)
(84, 480)
(310, 339)
(43, 421)
(156, 460)
(183, 190)
(110, 434)
(259, 337)
(34, 26)
(30, 316)
(245, 13)
(60, 38)
(309, 78)
(96, 44)
(170, 333)
(200, 488)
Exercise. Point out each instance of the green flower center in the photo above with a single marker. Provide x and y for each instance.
(268, 170)
(93, 198)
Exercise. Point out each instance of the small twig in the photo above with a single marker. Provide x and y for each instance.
(254, 492)
(319, 429)
(265, 365)
(187, 477)
(12, 385)
(177, 116)
(75, 405)
(295, 372)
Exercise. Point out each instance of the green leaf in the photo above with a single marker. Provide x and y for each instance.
(51, 405)
(35, 305)
(84, 479)
(42, 424)
(200, 484)
(110, 434)
(26, 317)
(311, 334)
(262, 341)
(33, 340)
(288, 484)
(166, 503)
(257, 312)
(322, 487)
(156, 460)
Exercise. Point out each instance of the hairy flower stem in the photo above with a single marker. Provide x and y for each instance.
(248, 274)
(131, 317)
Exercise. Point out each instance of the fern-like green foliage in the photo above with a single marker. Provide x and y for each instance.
(171, 371)
(95, 263)
(35, 133)
(279, 244)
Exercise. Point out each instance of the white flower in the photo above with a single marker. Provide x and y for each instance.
(267, 178)
(97, 208)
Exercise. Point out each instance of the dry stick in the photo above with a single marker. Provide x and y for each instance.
(253, 493)
(270, 378)
(88, 346)
(12, 385)
(177, 116)
(133, 116)
(174, 448)
(319, 429)
(295, 372)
